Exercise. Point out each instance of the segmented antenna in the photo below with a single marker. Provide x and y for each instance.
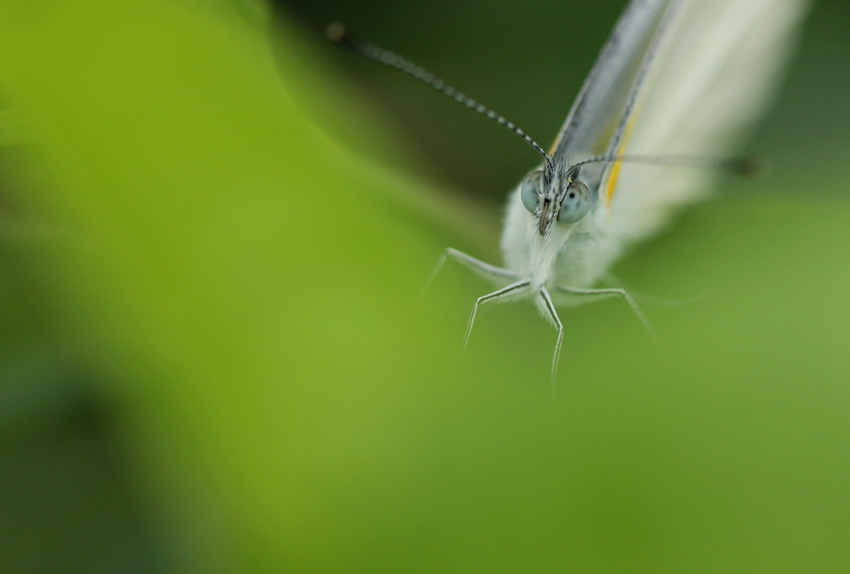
(744, 166)
(337, 34)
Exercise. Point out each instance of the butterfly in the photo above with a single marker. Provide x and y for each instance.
(676, 84)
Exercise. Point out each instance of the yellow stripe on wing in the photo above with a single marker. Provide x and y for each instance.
(555, 144)
(615, 170)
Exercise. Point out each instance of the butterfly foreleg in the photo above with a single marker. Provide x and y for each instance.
(614, 292)
(504, 293)
(612, 279)
(490, 272)
(553, 315)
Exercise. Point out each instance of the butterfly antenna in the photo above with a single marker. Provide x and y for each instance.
(744, 166)
(338, 34)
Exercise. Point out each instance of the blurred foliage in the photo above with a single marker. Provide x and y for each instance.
(214, 356)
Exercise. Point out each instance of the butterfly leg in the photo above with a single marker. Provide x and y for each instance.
(482, 269)
(505, 292)
(553, 315)
(655, 299)
(613, 293)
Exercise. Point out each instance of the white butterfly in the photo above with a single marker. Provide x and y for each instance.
(676, 81)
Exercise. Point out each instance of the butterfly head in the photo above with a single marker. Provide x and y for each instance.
(555, 194)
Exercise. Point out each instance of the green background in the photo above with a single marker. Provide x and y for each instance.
(214, 355)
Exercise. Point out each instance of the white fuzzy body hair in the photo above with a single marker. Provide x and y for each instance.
(570, 255)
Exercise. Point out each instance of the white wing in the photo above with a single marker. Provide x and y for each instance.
(599, 106)
(713, 75)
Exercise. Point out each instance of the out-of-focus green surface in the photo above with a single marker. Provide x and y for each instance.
(215, 357)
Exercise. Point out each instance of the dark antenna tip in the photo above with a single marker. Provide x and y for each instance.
(337, 33)
(755, 166)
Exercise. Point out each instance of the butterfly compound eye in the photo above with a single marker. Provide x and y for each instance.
(576, 203)
(530, 190)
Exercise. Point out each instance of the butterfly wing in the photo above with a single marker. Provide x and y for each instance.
(676, 78)
(713, 72)
(599, 116)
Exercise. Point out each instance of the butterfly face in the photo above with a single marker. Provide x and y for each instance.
(553, 195)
